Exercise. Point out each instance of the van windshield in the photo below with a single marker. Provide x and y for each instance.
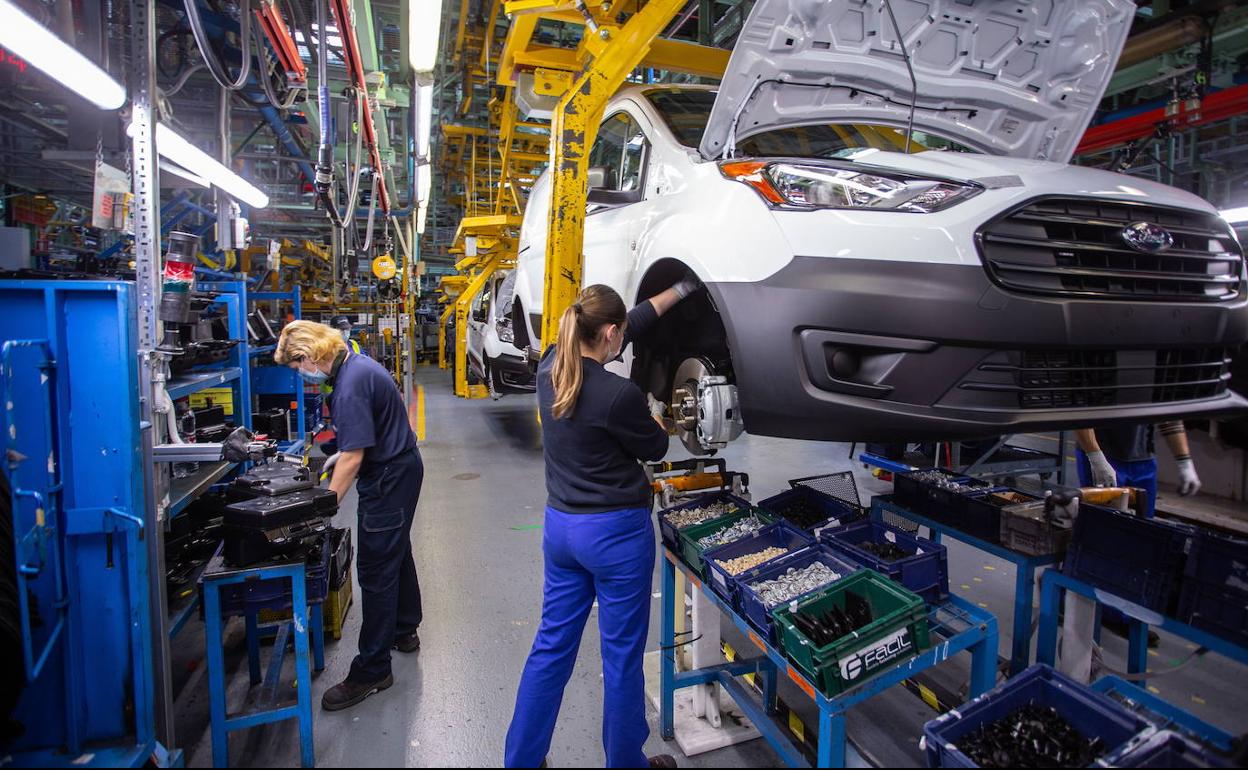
(687, 112)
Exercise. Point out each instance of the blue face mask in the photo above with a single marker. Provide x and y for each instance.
(346, 335)
(316, 376)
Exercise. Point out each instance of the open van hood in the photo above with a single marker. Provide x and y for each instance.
(1007, 77)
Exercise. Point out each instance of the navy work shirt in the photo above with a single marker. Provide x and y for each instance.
(592, 453)
(368, 412)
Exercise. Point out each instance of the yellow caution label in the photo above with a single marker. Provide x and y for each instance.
(929, 698)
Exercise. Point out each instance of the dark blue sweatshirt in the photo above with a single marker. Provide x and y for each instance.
(592, 454)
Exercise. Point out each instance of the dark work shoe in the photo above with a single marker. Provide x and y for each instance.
(663, 760)
(408, 642)
(348, 693)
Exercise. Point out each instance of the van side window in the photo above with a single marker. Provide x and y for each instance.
(621, 149)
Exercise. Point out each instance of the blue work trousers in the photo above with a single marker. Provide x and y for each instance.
(1141, 474)
(389, 588)
(608, 557)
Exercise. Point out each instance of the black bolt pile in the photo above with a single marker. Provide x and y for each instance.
(885, 551)
(1032, 736)
(824, 628)
(802, 512)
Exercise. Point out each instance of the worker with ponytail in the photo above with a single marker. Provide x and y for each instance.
(598, 540)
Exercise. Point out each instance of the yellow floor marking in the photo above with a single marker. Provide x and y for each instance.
(965, 587)
(1154, 690)
(990, 568)
(1198, 700)
(978, 580)
(984, 605)
(1153, 653)
(420, 412)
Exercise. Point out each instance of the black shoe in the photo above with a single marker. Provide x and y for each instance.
(408, 642)
(663, 760)
(348, 693)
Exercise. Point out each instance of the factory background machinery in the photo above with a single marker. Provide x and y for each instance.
(181, 178)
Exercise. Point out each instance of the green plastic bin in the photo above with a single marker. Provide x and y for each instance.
(898, 633)
(689, 538)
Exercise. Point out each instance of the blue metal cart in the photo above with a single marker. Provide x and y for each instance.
(957, 626)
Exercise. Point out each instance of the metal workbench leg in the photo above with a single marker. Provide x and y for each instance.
(1024, 604)
(1050, 601)
(831, 739)
(299, 613)
(667, 652)
(216, 675)
(1137, 650)
(253, 646)
(984, 662)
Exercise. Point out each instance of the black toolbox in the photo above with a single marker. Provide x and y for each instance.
(271, 423)
(272, 527)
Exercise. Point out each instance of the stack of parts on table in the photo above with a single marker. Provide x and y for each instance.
(275, 511)
(835, 617)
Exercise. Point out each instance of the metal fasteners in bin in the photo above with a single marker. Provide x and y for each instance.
(923, 567)
(1093, 714)
(692, 538)
(769, 543)
(734, 532)
(786, 579)
(700, 510)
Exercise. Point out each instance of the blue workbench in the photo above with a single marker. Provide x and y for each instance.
(957, 626)
(1024, 580)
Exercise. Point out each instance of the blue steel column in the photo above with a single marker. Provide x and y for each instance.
(984, 661)
(1024, 594)
(1050, 598)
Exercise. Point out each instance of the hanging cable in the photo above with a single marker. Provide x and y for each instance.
(325, 152)
(372, 213)
(215, 67)
(266, 77)
(914, 82)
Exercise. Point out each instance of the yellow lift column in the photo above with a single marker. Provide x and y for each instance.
(496, 244)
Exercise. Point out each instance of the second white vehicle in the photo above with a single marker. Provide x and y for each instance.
(492, 353)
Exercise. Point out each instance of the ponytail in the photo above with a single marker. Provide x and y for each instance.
(598, 306)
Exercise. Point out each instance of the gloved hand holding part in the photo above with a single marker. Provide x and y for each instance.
(1103, 473)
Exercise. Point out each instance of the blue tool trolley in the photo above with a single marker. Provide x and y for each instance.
(1024, 580)
(216, 577)
(1052, 588)
(69, 390)
(957, 626)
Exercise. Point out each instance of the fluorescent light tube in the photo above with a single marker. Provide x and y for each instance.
(174, 147)
(424, 120)
(42, 49)
(1235, 215)
(424, 20)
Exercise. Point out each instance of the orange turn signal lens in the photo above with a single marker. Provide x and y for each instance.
(751, 172)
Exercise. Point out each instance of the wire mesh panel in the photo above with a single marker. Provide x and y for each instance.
(842, 486)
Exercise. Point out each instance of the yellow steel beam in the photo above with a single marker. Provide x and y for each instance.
(574, 128)
(689, 58)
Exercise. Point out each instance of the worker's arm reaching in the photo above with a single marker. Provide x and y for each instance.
(667, 299)
(1175, 434)
(345, 470)
(1103, 473)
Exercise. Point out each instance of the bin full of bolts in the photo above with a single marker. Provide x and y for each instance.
(789, 578)
(701, 510)
(937, 493)
(920, 565)
(725, 563)
(853, 630)
(699, 539)
(1040, 718)
(812, 510)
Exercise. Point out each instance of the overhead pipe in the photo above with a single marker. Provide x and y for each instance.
(1154, 42)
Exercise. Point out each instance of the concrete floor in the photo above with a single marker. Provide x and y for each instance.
(477, 541)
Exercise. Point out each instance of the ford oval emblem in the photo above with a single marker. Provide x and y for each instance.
(1147, 237)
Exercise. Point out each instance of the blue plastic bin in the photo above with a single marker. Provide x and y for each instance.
(1092, 714)
(926, 573)
(780, 535)
(759, 614)
(838, 513)
(669, 533)
(1214, 593)
(1138, 559)
(1170, 749)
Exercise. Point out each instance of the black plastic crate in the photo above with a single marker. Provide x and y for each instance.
(811, 510)
(925, 571)
(1214, 592)
(1138, 559)
(238, 598)
(926, 498)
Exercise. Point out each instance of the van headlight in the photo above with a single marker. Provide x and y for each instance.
(505, 332)
(810, 186)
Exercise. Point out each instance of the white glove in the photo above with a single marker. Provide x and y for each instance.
(327, 469)
(1189, 482)
(658, 409)
(687, 286)
(1103, 474)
